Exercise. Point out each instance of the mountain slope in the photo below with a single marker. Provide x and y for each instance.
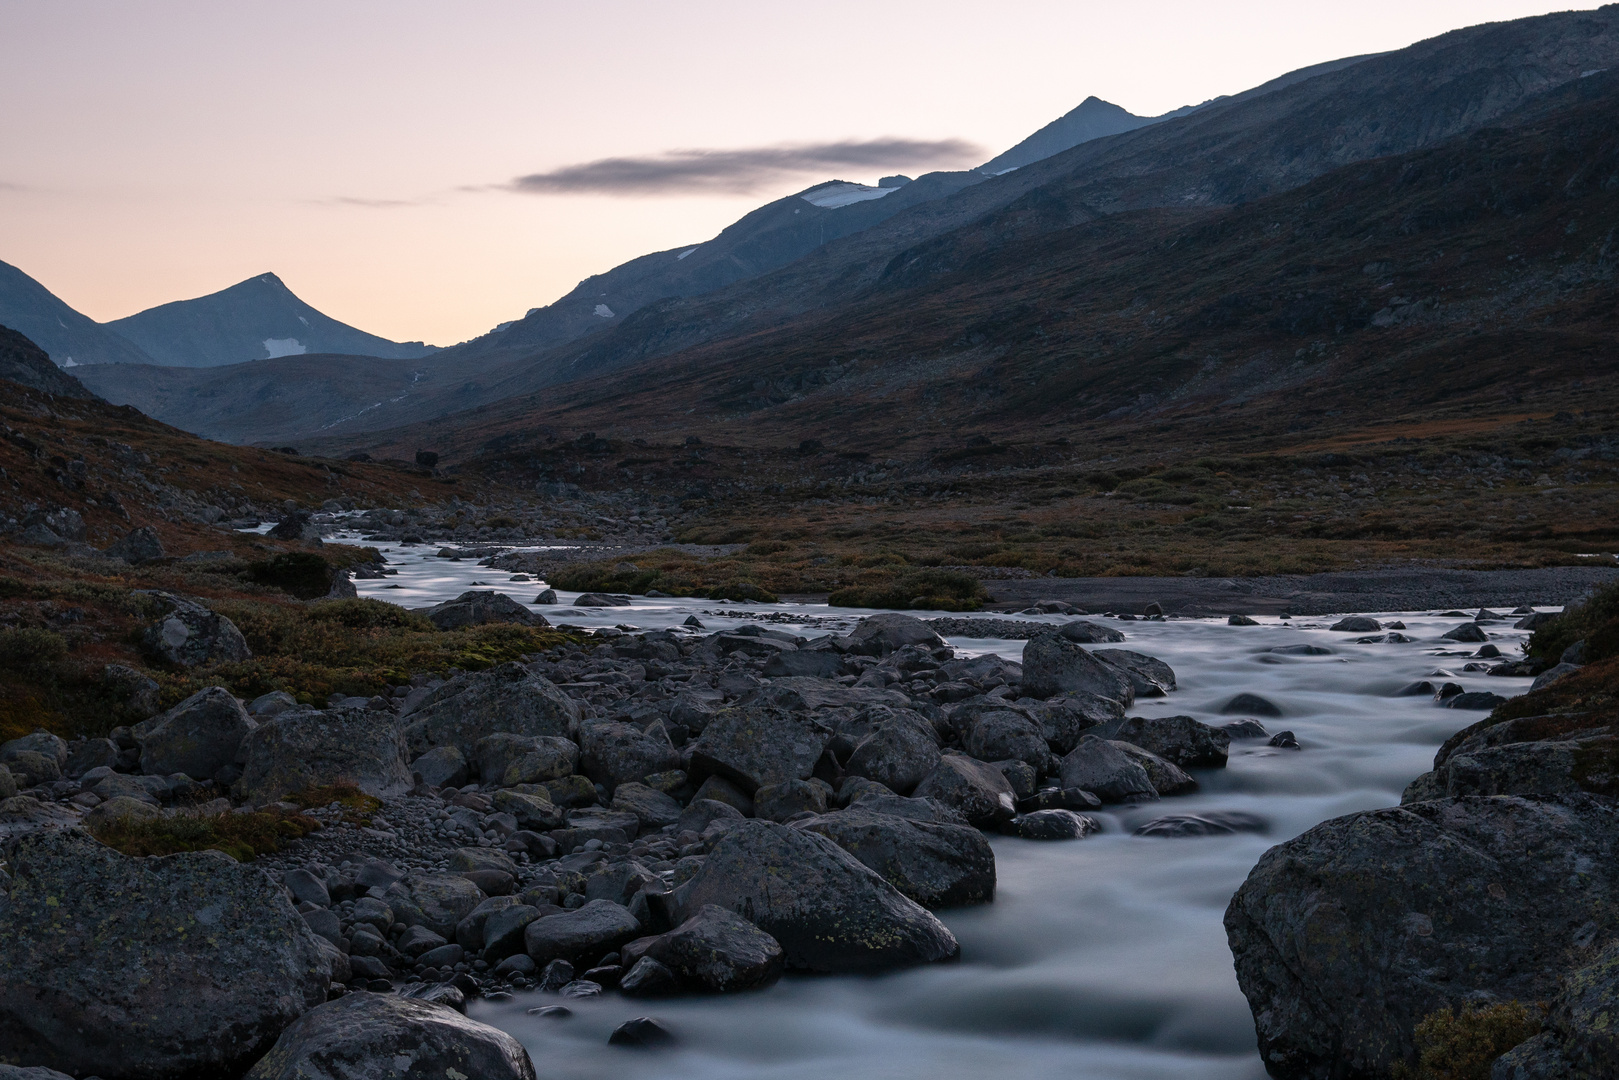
(1092, 119)
(25, 363)
(256, 319)
(67, 336)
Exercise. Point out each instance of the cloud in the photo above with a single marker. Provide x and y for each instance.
(373, 204)
(742, 171)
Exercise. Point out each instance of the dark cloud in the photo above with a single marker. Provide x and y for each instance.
(740, 171)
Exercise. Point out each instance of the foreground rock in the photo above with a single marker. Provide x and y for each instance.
(185, 965)
(304, 748)
(198, 737)
(190, 635)
(936, 864)
(1054, 665)
(506, 698)
(715, 951)
(365, 1036)
(755, 745)
(1347, 936)
(829, 912)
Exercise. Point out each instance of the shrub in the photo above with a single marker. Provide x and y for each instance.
(356, 805)
(300, 573)
(1596, 622)
(31, 649)
(738, 590)
(920, 590)
(1462, 1046)
(243, 837)
(368, 614)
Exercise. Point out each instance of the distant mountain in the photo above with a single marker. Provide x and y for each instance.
(1094, 119)
(22, 361)
(257, 319)
(67, 336)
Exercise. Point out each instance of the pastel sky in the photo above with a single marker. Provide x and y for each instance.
(369, 152)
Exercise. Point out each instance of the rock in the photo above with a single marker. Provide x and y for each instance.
(803, 664)
(613, 753)
(752, 745)
(778, 802)
(297, 525)
(509, 760)
(642, 1033)
(198, 737)
(937, 863)
(91, 754)
(585, 933)
(1346, 936)
(303, 749)
(1053, 665)
(470, 860)
(478, 607)
(120, 808)
(200, 930)
(1148, 675)
(715, 951)
(593, 599)
(306, 888)
(1054, 825)
(137, 546)
(190, 635)
(438, 902)
(442, 766)
(33, 769)
(701, 813)
(652, 808)
(272, 704)
(974, 789)
(138, 693)
(365, 1036)
(8, 784)
(1167, 778)
(22, 815)
(1552, 674)
(1208, 823)
(1186, 742)
(648, 978)
(828, 911)
(506, 698)
(1284, 740)
(898, 753)
(1021, 775)
(1356, 624)
(1535, 620)
(546, 598)
(1089, 633)
(1474, 699)
(880, 635)
(43, 743)
(1065, 720)
(997, 734)
(1466, 632)
(531, 810)
(1060, 799)
(504, 932)
(1253, 704)
(1101, 767)
(1241, 620)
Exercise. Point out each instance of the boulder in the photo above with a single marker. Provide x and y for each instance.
(442, 766)
(190, 635)
(817, 664)
(1166, 777)
(303, 749)
(91, 754)
(437, 902)
(829, 912)
(714, 951)
(509, 760)
(137, 546)
(1065, 720)
(1148, 675)
(198, 737)
(974, 789)
(999, 734)
(1054, 824)
(374, 1036)
(613, 753)
(1186, 742)
(585, 933)
(717, 789)
(938, 864)
(701, 813)
(778, 802)
(1100, 767)
(179, 965)
(503, 931)
(1241, 620)
(8, 784)
(913, 809)
(1346, 936)
(1356, 624)
(297, 525)
(652, 808)
(898, 753)
(120, 808)
(879, 635)
(594, 599)
(477, 607)
(32, 769)
(1252, 705)
(22, 815)
(43, 743)
(1208, 823)
(531, 810)
(469, 707)
(1089, 633)
(1466, 632)
(752, 745)
(1053, 665)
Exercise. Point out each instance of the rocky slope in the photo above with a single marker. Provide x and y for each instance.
(68, 336)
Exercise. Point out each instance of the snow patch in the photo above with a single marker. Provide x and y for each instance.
(683, 254)
(604, 311)
(838, 193)
(283, 346)
(303, 320)
(70, 362)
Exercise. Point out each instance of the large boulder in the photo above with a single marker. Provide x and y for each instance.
(374, 1036)
(190, 635)
(1100, 767)
(937, 864)
(305, 748)
(1186, 742)
(714, 951)
(480, 606)
(137, 546)
(509, 760)
(531, 809)
(181, 965)
(1531, 755)
(1006, 734)
(437, 902)
(507, 697)
(653, 808)
(1148, 675)
(586, 933)
(879, 635)
(974, 789)
(1089, 633)
(829, 912)
(759, 744)
(198, 737)
(1053, 665)
(1348, 935)
(898, 753)
(1065, 720)
(612, 752)
(1166, 777)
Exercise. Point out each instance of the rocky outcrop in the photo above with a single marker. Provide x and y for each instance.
(198, 737)
(190, 635)
(184, 965)
(378, 1036)
(506, 698)
(305, 748)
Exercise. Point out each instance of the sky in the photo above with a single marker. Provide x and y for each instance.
(425, 171)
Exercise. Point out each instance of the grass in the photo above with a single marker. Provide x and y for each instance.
(923, 590)
(356, 805)
(1462, 1046)
(243, 837)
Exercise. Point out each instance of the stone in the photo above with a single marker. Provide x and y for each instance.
(138, 692)
(507, 759)
(304, 749)
(699, 814)
(198, 737)
(880, 635)
(1346, 936)
(1101, 767)
(35, 1072)
(898, 753)
(599, 927)
(224, 962)
(43, 743)
(1208, 823)
(506, 698)
(478, 607)
(1021, 775)
(469, 860)
(612, 752)
(1053, 665)
(191, 635)
(137, 546)
(1474, 699)
(594, 599)
(378, 1036)
(1356, 624)
(937, 863)
(1252, 704)
(306, 888)
(976, 790)
(1167, 778)
(1148, 675)
(120, 808)
(1065, 720)
(296, 525)
(778, 802)
(1552, 674)
(22, 815)
(546, 598)
(829, 912)
(1089, 633)
(1284, 740)
(570, 791)
(718, 789)
(8, 784)
(438, 902)
(648, 978)
(817, 664)
(91, 754)
(715, 951)
(652, 808)
(1241, 620)
(531, 811)
(997, 734)
(1186, 742)
(642, 1033)
(1054, 825)
(503, 931)
(31, 769)
(442, 766)
(752, 745)
(1466, 632)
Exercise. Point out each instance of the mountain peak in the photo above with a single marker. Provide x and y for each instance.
(1092, 118)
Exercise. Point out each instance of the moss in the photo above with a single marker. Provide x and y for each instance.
(356, 805)
(1462, 1046)
(243, 837)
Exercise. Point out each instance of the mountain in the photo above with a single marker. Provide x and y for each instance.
(23, 362)
(67, 336)
(1093, 119)
(256, 319)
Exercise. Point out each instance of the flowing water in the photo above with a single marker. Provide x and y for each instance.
(1100, 958)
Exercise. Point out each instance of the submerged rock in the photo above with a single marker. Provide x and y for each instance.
(714, 951)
